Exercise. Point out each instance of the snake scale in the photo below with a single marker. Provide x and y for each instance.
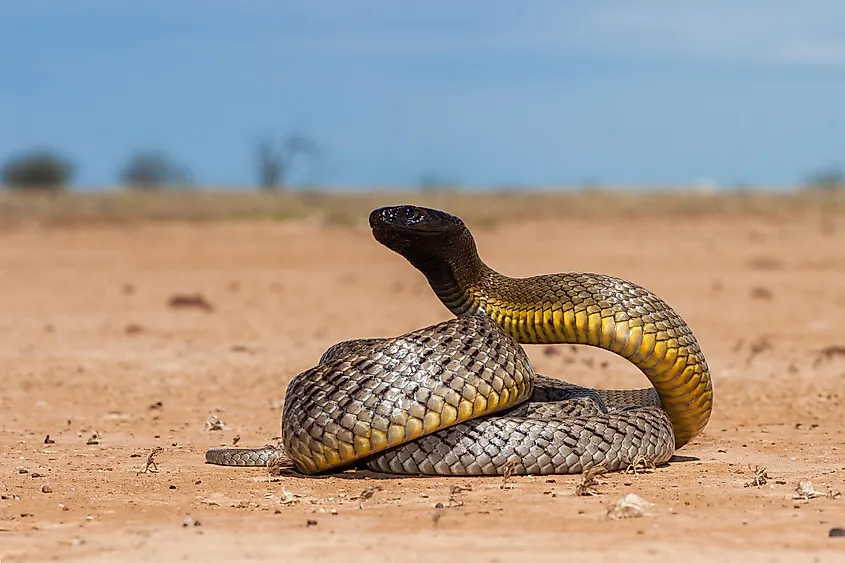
(460, 397)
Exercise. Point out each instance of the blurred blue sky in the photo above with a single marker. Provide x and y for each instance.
(482, 92)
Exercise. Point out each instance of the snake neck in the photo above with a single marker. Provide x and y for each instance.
(456, 273)
(592, 309)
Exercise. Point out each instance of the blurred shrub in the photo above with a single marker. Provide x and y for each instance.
(37, 169)
(827, 180)
(434, 182)
(151, 170)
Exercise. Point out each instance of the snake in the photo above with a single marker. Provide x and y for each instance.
(460, 397)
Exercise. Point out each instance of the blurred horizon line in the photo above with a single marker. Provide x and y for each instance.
(702, 188)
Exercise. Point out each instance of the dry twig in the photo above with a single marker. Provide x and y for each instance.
(589, 482)
(279, 465)
(214, 424)
(150, 465)
(640, 464)
(509, 471)
(454, 491)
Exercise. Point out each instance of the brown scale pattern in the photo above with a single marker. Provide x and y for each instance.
(545, 426)
(396, 390)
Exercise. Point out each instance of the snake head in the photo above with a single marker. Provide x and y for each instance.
(411, 229)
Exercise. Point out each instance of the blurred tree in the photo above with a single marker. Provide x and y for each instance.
(434, 182)
(38, 169)
(152, 170)
(274, 160)
(831, 178)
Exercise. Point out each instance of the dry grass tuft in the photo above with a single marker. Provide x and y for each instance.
(760, 476)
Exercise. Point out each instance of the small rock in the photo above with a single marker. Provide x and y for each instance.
(630, 506)
(190, 301)
(132, 329)
(46, 489)
(763, 293)
(836, 533)
(310, 523)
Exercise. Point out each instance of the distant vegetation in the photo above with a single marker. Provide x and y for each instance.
(38, 169)
(828, 179)
(274, 159)
(47, 170)
(152, 170)
(432, 181)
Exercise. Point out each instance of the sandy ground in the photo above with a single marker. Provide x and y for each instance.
(95, 358)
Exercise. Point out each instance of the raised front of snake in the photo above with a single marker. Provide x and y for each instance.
(460, 397)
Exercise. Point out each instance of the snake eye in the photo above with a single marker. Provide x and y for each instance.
(408, 215)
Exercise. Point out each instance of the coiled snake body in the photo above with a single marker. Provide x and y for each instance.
(460, 397)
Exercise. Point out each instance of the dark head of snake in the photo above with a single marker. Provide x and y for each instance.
(435, 242)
